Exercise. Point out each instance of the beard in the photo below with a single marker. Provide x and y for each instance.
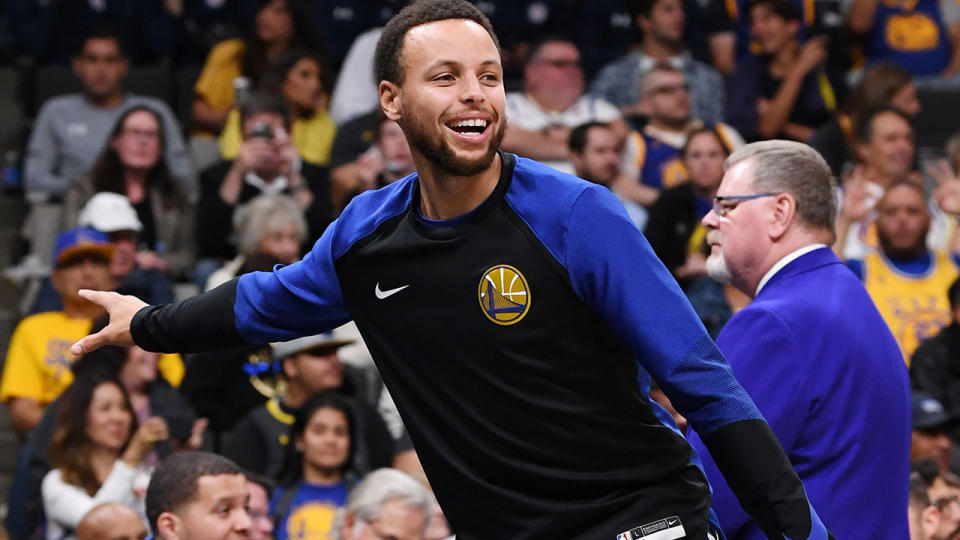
(441, 154)
(717, 268)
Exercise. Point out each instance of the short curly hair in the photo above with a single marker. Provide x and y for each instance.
(387, 65)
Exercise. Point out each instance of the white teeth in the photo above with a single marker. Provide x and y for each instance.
(476, 122)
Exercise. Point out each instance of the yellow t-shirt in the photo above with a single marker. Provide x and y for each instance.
(39, 358)
(312, 136)
(224, 64)
(914, 307)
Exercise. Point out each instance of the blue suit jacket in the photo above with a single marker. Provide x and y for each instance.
(820, 363)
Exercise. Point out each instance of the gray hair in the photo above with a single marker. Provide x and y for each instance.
(791, 167)
(368, 497)
(265, 214)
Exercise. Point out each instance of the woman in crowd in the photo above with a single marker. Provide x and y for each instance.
(883, 85)
(279, 25)
(298, 76)
(98, 453)
(678, 238)
(270, 227)
(132, 164)
(318, 470)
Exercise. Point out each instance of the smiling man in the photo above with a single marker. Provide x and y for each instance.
(806, 345)
(507, 306)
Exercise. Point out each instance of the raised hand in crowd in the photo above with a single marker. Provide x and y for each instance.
(947, 193)
(149, 432)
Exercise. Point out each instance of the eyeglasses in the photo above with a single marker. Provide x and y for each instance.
(142, 133)
(559, 63)
(723, 204)
(670, 89)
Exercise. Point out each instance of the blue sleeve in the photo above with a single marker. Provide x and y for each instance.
(300, 299)
(613, 268)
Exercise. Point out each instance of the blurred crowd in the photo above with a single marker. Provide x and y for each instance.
(167, 146)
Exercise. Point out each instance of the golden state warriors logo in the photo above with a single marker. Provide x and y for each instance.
(504, 294)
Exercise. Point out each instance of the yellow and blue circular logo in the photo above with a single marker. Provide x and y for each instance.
(504, 294)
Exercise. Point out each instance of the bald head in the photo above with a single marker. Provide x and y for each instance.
(111, 521)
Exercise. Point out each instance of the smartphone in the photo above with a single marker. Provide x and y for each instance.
(263, 131)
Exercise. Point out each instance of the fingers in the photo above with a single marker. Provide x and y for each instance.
(89, 343)
(103, 299)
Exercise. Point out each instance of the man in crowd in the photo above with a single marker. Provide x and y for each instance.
(198, 496)
(268, 163)
(387, 504)
(803, 357)
(70, 131)
(661, 23)
(932, 365)
(924, 516)
(308, 365)
(651, 157)
(907, 281)
(455, 254)
(551, 104)
(37, 367)
(929, 439)
(111, 521)
(595, 154)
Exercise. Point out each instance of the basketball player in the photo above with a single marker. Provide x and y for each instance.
(505, 304)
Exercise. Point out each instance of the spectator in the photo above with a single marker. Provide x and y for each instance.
(943, 490)
(198, 496)
(662, 24)
(111, 214)
(916, 35)
(368, 159)
(551, 104)
(907, 281)
(96, 451)
(884, 144)
(729, 37)
(652, 160)
(387, 503)
(806, 343)
(279, 25)
(268, 162)
(111, 521)
(932, 365)
(269, 225)
(132, 164)
(883, 85)
(316, 475)
(299, 77)
(37, 365)
(787, 91)
(595, 154)
(258, 506)
(71, 130)
(308, 365)
(923, 515)
(929, 439)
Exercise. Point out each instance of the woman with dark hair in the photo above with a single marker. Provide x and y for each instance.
(279, 25)
(98, 452)
(883, 85)
(318, 469)
(133, 164)
(300, 78)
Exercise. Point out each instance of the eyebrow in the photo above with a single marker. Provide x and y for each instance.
(454, 63)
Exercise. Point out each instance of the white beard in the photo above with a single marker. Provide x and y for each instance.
(717, 268)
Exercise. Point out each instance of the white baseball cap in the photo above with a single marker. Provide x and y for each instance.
(110, 212)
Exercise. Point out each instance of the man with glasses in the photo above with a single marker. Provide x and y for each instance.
(552, 104)
(811, 349)
(387, 505)
(651, 156)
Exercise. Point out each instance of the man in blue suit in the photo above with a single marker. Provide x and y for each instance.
(811, 349)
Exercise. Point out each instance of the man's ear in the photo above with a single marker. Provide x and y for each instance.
(390, 100)
(169, 527)
(349, 523)
(930, 520)
(784, 211)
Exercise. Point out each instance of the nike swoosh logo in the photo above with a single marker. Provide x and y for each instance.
(382, 295)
